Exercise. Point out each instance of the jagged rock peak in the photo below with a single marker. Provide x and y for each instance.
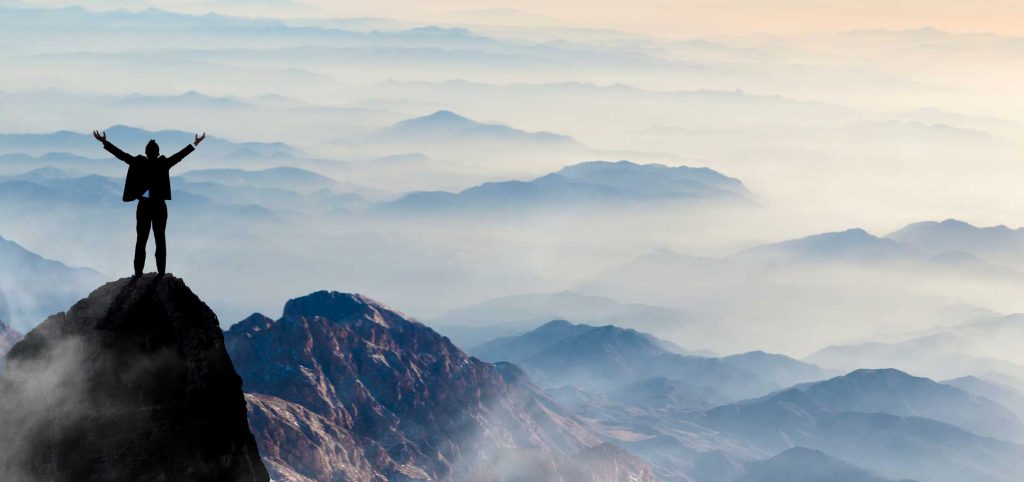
(340, 308)
(132, 383)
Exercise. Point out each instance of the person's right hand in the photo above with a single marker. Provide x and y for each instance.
(100, 137)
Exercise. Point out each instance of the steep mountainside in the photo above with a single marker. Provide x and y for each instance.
(132, 383)
(344, 388)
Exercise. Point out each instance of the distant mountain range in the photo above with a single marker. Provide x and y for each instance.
(854, 245)
(447, 127)
(851, 281)
(895, 446)
(996, 244)
(284, 178)
(607, 358)
(513, 315)
(133, 140)
(1001, 393)
(598, 183)
(888, 424)
(978, 347)
(33, 287)
(342, 387)
(897, 393)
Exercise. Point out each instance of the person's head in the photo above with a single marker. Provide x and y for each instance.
(152, 149)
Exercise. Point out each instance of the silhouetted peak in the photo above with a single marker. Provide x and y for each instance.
(445, 118)
(880, 374)
(955, 223)
(445, 115)
(555, 324)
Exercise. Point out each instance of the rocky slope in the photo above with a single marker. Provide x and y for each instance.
(344, 388)
(131, 383)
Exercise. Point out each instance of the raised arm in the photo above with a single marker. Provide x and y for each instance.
(118, 153)
(176, 158)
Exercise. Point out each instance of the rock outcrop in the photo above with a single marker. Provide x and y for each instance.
(131, 383)
(343, 388)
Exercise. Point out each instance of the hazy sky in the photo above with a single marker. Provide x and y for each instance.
(658, 17)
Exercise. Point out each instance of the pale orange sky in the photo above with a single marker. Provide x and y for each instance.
(724, 17)
(667, 18)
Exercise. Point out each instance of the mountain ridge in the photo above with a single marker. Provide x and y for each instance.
(382, 389)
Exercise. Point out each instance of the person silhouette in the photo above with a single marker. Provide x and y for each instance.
(149, 182)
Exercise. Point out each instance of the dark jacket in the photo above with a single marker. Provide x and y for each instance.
(147, 174)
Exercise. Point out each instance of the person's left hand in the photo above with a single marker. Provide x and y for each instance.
(199, 138)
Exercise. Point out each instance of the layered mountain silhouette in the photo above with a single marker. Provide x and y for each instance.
(981, 346)
(996, 244)
(446, 126)
(284, 178)
(512, 315)
(608, 357)
(854, 245)
(344, 388)
(131, 383)
(598, 183)
(33, 287)
(998, 392)
(133, 139)
(898, 393)
(851, 281)
(898, 447)
(779, 369)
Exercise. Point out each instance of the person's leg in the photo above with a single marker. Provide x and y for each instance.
(159, 227)
(143, 219)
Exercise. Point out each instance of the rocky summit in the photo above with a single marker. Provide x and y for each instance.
(132, 383)
(344, 388)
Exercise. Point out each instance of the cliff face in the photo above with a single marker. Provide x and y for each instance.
(344, 388)
(132, 383)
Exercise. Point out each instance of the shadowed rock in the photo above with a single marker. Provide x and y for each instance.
(132, 383)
